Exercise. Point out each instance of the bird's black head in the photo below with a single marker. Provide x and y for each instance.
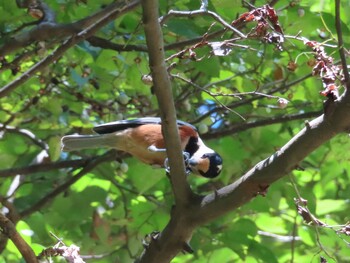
(208, 165)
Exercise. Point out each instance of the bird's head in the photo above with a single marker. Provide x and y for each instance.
(207, 165)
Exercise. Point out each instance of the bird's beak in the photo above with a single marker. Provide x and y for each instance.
(192, 162)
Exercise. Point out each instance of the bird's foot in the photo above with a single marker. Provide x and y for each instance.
(186, 158)
(149, 238)
(166, 165)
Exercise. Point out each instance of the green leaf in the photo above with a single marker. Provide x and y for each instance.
(271, 224)
(308, 236)
(54, 148)
(261, 252)
(223, 255)
(328, 206)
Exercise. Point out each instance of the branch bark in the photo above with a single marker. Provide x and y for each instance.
(254, 182)
(162, 89)
(9, 229)
(174, 236)
(116, 10)
(49, 29)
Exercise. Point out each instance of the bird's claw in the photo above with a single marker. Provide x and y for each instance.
(186, 158)
(166, 165)
(152, 237)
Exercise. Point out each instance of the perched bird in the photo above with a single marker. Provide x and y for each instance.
(143, 139)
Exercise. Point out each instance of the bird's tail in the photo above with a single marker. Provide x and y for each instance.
(79, 142)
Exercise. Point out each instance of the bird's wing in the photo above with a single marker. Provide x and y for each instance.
(125, 124)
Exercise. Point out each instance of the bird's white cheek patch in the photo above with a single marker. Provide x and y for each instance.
(219, 167)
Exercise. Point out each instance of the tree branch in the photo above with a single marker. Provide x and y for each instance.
(254, 182)
(116, 9)
(279, 164)
(162, 89)
(247, 101)
(230, 130)
(201, 12)
(239, 127)
(27, 133)
(9, 229)
(37, 168)
(49, 29)
(106, 44)
(174, 240)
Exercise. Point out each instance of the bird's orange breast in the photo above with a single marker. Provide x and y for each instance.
(139, 139)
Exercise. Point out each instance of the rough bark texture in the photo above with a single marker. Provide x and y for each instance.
(9, 229)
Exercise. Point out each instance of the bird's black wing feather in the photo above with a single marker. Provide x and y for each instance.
(125, 124)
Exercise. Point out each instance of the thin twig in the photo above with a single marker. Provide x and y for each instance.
(341, 45)
(214, 95)
(239, 127)
(316, 222)
(250, 100)
(27, 133)
(304, 39)
(199, 12)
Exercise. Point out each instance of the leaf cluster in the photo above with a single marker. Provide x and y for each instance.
(229, 86)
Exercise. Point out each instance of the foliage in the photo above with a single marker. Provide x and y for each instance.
(107, 210)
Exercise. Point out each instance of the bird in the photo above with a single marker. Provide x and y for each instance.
(143, 139)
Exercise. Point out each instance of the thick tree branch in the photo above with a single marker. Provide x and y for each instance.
(49, 29)
(116, 10)
(171, 241)
(162, 89)
(256, 181)
(9, 229)
(174, 240)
